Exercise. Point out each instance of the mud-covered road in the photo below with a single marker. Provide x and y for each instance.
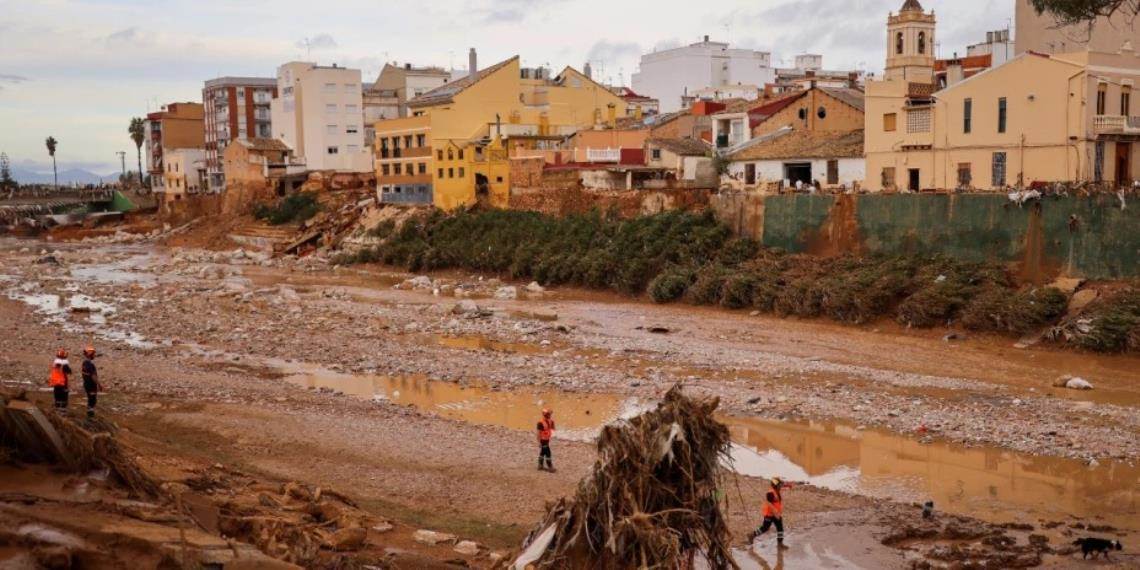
(417, 396)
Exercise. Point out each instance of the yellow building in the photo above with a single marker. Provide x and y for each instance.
(455, 139)
(1036, 118)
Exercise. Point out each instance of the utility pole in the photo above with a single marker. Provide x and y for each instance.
(123, 162)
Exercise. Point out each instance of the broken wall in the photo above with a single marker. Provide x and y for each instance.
(1087, 236)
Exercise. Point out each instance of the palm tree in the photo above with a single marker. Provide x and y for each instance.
(51, 144)
(138, 134)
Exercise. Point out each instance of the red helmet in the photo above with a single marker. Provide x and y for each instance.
(547, 412)
(89, 351)
(61, 353)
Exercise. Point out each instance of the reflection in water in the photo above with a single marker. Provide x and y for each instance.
(987, 483)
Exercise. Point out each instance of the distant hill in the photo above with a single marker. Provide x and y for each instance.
(68, 176)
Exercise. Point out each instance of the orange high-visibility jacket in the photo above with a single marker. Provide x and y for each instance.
(547, 430)
(773, 504)
(58, 376)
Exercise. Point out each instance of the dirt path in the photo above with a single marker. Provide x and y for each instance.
(208, 359)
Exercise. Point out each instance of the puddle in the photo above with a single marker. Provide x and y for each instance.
(123, 272)
(56, 310)
(476, 342)
(988, 483)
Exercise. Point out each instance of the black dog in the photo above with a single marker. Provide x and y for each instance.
(1097, 546)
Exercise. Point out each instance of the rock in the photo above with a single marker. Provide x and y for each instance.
(382, 527)
(465, 307)
(496, 556)
(534, 287)
(467, 548)
(348, 538)
(507, 293)
(1072, 383)
(953, 336)
(54, 557)
(1081, 299)
(433, 538)
(48, 260)
(1067, 284)
(419, 282)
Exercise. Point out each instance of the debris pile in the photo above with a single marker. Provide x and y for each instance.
(652, 499)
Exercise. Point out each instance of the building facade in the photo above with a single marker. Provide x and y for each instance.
(1041, 33)
(457, 132)
(1036, 119)
(176, 126)
(318, 113)
(183, 172)
(236, 108)
(670, 75)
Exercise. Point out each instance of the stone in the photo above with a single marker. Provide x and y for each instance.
(534, 287)
(1081, 299)
(382, 527)
(420, 282)
(1072, 383)
(507, 293)
(348, 538)
(467, 548)
(465, 307)
(1067, 285)
(432, 537)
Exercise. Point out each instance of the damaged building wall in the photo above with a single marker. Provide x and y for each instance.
(1087, 236)
(573, 199)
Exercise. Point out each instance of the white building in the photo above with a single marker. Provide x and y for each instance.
(791, 158)
(184, 171)
(672, 74)
(319, 113)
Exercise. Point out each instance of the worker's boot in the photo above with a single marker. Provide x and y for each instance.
(752, 536)
(780, 544)
(540, 464)
(550, 465)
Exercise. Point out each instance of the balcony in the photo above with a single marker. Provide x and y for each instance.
(1116, 125)
(603, 155)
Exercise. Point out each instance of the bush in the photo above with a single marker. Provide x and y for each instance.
(1018, 312)
(708, 287)
(1113, 324)
(670, 284)
(738, 290)
(293, 208)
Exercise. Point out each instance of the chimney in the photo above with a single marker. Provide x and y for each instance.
(706, 39)
(587, 70)
(954, 72)
(408, 66)
(472, 62)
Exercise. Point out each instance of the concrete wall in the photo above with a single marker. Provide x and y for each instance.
(1090, 237)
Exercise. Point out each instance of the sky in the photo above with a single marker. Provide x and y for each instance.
(78, 70)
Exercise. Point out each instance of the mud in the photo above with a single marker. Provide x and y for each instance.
(293, 371)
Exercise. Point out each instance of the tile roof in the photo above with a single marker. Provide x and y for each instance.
(683, 147)
(444, 93)
(806, 144)
(853, 97)
(265, 144)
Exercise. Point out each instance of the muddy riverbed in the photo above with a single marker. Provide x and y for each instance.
(875, 412)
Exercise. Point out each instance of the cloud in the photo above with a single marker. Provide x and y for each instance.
(506, 16)
(606, 50)
(317, 42)
(514, 11)
(11, 79)
(126, 36)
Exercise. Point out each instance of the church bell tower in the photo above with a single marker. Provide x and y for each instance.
(910, 44)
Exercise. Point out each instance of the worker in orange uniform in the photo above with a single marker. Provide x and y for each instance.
(545, 432)
(60, 374)
(773, 512)
(91, 383)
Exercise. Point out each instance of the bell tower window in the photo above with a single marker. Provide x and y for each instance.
(899, 43)
(922, 42)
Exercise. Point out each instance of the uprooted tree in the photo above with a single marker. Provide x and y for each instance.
(652, 500)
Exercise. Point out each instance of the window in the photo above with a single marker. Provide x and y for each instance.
(999, 170)
(922, 42)
(460, 154)
(330, 108)
(330, 129)
(330, 87)
(749, 173)
(241, 92)
(890, 121)
(461, 172)
(967, 115)
(420, 141)
(1101, 97)
(656, 154)
(451, 173)
(1126, 100)
(423, 168)
(408, 141)
(398, 169)
(439, 155)
(1001, 115)
(899, 43)
(888, 177)
(1098, 162)
(450, 155)
(964, 177)
(351, 108)
(349, 87)
(351, 129)
(918, 120)
(833, 172)
(333, 150)
(353, 148)
(384, 170)
(821, 113)
(441, 173)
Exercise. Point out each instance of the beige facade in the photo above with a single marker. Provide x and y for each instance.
(910, 44)
(1040, 33)
(1037, 118)
(182, 171)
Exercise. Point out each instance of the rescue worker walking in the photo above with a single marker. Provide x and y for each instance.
(60, 375)
(773, 513)
(91, 383)
(545, 432)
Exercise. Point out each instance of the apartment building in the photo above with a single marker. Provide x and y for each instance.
(236, 108)
(673, 74)
(183, 172)
(318, 113)
(1037, 118)
(451, 150)
(176, 126)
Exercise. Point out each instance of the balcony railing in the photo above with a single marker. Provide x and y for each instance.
(1116, 124)
(603, 155)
